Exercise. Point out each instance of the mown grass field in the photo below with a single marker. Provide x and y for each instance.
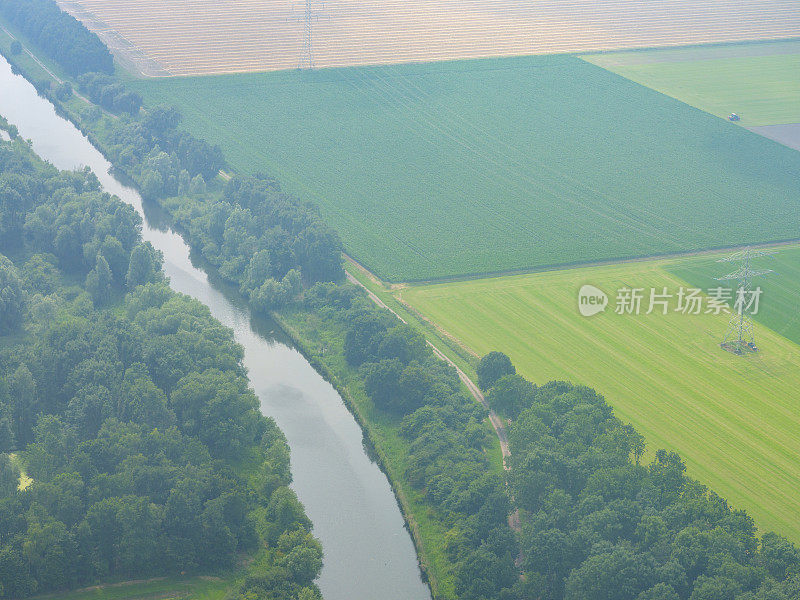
(449, 169)
(735, 420)
(758, 81)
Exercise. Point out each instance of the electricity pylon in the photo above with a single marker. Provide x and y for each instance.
(739, 337)
(310, 14)
(307, 55)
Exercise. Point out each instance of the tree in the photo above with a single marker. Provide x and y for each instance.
(111, 249)
(492, 367)
(617, 574)
(510, 395)
(714, 588)
(23, 390)
(403, 343)
(257, 271)
(144, 263)
(779, 555)
(660, 591)
(12, 297)
(9, 476)
(99, 282)
(302, 556)
(382, 383)
(152, 185)
(141, 401)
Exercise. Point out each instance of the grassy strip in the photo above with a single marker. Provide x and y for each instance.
(199, 587)
(321, 343)
(24, 480)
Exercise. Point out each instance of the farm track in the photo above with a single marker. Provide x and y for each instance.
(494, 419)
(197, 38)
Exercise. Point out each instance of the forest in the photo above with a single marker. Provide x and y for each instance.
(129, 407)
(63, 37)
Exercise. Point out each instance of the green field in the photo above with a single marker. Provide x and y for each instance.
(447, 169)
(780, 309)
(735, 420)
(759, 81)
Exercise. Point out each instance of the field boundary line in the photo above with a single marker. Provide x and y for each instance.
(585, 264)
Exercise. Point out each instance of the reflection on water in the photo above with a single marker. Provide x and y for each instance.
(368, 552)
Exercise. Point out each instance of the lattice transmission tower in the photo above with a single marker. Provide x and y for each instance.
(307, 53)
(310, 14)
(739, 337)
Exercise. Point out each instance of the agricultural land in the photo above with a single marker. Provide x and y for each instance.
(734, 419)
(757, 81)
(472, 167)
(175, 37)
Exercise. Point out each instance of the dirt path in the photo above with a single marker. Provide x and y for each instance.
(29, 53)
(497, 423)
(44, 67)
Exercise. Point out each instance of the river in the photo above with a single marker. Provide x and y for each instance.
(368, 552)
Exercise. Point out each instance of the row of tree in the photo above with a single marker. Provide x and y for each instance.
(599, 524)
(129, 407)
(106, 91)
(267, 243)
(64, 38)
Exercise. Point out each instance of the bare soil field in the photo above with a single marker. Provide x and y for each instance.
(788, 135)
(197, 37)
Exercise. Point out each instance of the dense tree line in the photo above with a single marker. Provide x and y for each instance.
(599, 524)
(64, 38)
(105, 91)
(262, 240)
(164, 160)
(446, 433)
(129, 406)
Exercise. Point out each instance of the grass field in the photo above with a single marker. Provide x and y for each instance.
(735, 420)
(758, 81)
(447, 169)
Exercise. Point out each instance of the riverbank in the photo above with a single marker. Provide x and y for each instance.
(322, 347)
